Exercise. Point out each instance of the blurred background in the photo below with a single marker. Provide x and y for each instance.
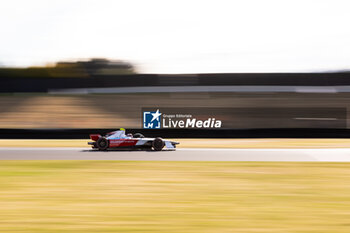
(96, 64)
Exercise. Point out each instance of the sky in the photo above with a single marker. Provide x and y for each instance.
(182, 36)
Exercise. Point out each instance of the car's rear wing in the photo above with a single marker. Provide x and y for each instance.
(95, 137)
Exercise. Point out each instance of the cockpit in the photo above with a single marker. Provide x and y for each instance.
(118, 134)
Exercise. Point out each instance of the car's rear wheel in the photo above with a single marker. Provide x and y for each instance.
(102, 143)
(158, 144)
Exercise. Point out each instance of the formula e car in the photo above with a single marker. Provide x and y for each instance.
(118, 139)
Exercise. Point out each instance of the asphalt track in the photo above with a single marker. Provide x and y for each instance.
(327, 155)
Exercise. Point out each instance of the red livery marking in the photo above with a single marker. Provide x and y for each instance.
(122, 142)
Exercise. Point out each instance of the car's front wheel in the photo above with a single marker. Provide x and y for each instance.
(102, 143)
(158, 144)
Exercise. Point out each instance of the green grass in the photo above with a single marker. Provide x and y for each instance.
(111, 196)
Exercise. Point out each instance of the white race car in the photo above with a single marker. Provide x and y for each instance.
(118, 139)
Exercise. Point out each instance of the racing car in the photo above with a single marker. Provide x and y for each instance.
(118, 139)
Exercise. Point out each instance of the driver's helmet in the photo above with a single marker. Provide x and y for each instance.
(129, 135)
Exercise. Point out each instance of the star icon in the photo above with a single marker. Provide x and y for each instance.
(156, 115)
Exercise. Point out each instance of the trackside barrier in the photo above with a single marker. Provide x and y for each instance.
(178, 133)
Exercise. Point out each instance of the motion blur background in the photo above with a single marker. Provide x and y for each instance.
(96, 64)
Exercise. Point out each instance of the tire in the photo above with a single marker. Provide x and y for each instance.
(158, 144)
(102, 143)
(138, 135)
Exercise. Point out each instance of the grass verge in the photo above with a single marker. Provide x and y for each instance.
(115, 196)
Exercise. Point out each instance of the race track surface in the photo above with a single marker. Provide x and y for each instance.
(331, 155)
